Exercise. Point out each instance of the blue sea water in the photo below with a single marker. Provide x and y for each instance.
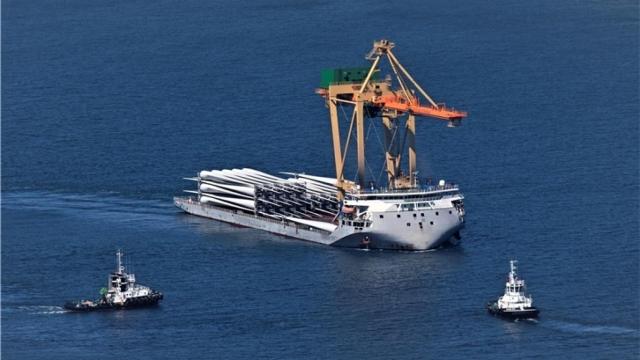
(107, 105)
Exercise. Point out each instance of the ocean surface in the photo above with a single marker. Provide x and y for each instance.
(107, 105)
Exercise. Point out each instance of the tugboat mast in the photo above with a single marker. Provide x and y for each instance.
(120, 268)
(514, 267)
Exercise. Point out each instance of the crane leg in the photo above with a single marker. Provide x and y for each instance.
(391, 152)
(411, 139)
(360, 140)
(337, 151)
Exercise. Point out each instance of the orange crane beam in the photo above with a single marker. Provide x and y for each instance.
(412, 106)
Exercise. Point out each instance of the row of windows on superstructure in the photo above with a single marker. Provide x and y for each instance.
(414, 215)
(418, 205)
(359, 224)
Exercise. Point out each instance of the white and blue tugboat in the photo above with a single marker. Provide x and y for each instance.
(122, 293)
(514, 304)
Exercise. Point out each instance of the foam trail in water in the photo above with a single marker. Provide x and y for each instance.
(102, 206)
(582, 328)
(42, 309)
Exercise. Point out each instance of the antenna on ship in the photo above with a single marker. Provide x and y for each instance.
(514, 268)
(120, 268)
(373, 97)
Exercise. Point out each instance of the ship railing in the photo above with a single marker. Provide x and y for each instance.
(421, 189)
(193, 199)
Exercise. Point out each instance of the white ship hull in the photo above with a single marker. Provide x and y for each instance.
(419, 229)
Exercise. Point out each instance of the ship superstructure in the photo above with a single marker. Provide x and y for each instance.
(406, 214)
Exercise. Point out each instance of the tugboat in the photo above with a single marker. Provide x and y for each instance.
(514, 304)
(122, 293)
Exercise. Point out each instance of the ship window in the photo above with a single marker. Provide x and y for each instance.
(420, 223)
(398, 216)
(437, 213)
(381, 216)
(431, 222)
(415, 215)
(408, 224)
(422, 214)
(449, 211)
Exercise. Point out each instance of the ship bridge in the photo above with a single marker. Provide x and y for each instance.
(429, 193)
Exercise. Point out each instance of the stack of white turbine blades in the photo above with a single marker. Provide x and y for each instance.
(316, 224)
(234, 176)
(236, 202)
(320, 179)
(247, 190)
(239, 177)
(205, 198)
(266, 176)
(212, 188)
(259, 176)
(219, 176)
(211, 175)
(319, 187)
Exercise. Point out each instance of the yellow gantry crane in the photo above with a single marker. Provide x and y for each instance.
(373, 97)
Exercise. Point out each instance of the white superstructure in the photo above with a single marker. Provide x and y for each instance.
(515, 297)
(122, 285)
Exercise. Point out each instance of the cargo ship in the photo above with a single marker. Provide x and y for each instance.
(406, 213)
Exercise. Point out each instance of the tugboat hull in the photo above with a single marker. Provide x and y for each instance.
(142, 301)
(525, 313)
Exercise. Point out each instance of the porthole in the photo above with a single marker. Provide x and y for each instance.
(381, 216)
(437, 213)
(415, 215)
(398, 216)
(449, 211)
(420, 223)
(422, 214)
(408, 224)
(431, 222)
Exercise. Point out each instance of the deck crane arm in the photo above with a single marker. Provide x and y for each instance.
(405, 101)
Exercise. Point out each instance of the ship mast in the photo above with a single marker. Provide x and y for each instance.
(372, 97)
(120, 268)
(514, 267)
